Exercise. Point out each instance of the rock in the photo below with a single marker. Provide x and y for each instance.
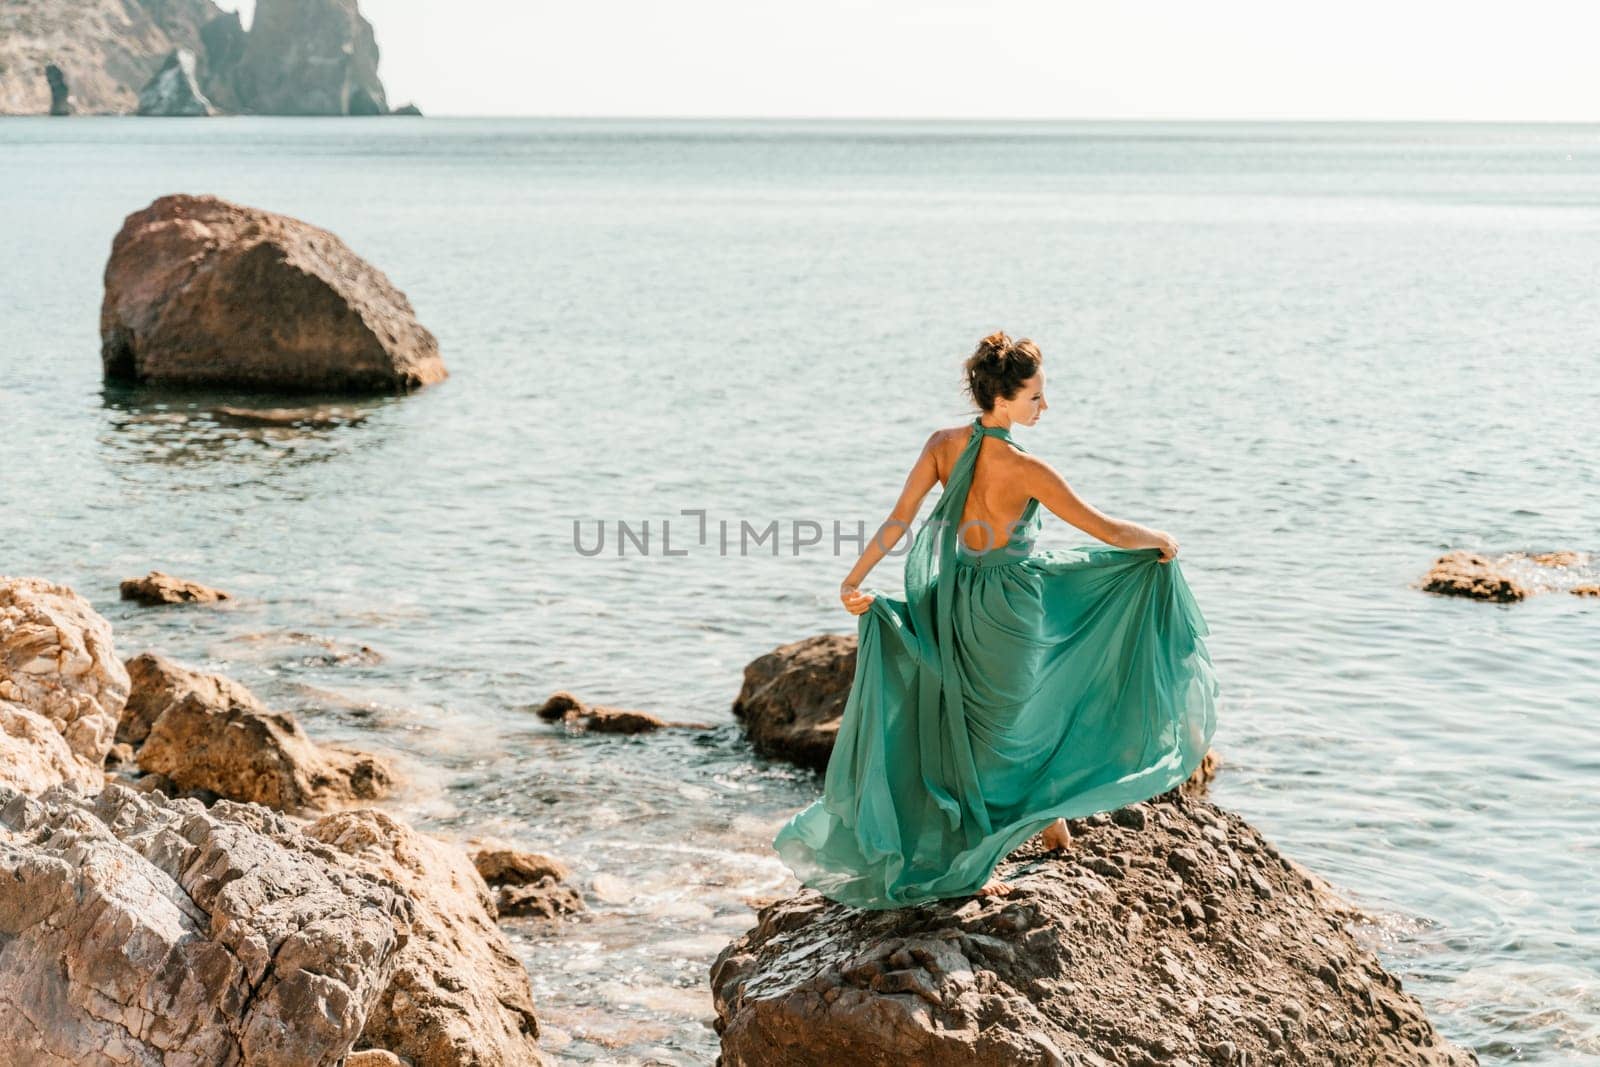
(310, 57)
(105, 49)
(312, 417)
(793, 698)
(222, 39)
(158, 587)
(459, 995)
(252, 754)
(1065, 968)
(565, 708)
(1588, 589)
(504, 866)
(373, 1058)
(528, 884)
(201, 291)
(408, 109)
(173, 90)
(157, 683)
(34, 756)
(57, 660)
(547, 900)
(1468, 574)
(141, 931)
(60, 95)
(206, 732)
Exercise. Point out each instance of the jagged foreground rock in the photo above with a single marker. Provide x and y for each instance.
(60, 672)
(1170, 932)
(201, 291)
(459, 997)
(144, 931)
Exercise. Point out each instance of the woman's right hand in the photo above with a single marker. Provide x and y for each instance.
(1167, 544)
(855, 601)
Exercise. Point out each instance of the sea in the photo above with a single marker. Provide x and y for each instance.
(1320, 355)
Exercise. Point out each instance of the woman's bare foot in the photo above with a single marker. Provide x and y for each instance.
(1056, 836)
(994, 887)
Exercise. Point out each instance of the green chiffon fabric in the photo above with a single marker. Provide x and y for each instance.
(1011, 687)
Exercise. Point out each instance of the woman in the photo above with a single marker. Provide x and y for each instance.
(1012, 689)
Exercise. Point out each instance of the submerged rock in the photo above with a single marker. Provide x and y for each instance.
(527, 884)
(201, 291)
(140, 930)
(208, 733)
(1168, 932)
(793, 698)
(158, 587)
(58, 662)
(1468, 574)
(565, 708)
(173, 90)
(1507, 577)
(459, 995)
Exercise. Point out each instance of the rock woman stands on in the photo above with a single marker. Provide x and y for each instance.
(1012, 688)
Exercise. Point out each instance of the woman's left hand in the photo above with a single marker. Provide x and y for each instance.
(855, 601)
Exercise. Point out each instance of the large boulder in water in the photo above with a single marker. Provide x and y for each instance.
(174, 91)
(309, 57)
(1169, 932)
(793, 698)
(201, 291)
(138, 930)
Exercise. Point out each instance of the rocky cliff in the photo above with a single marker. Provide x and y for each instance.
(300, 57)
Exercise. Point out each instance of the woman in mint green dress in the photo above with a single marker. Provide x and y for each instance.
(1012, 689)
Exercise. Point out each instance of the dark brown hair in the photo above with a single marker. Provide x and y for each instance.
(998, 367)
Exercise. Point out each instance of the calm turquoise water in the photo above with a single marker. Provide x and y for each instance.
(1318, 354)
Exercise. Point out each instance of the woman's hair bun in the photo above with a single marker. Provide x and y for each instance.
(998, 367)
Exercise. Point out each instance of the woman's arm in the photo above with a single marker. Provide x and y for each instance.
(1047, 486)
(923, 477)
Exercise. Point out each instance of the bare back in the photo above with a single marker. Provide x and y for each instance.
(998, 494)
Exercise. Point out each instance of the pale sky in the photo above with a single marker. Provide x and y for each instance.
(1358, 59)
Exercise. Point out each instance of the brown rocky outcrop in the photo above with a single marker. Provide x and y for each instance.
(57, 661)
(158, 587)
(793, 698)
(204, 732)
(565, 708)
(1507, 577)
(459, 996)
(1469, 574)
(140, 930)
(1168, 932)
(201, 291)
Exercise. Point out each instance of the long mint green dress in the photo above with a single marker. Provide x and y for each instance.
(1011, 687)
